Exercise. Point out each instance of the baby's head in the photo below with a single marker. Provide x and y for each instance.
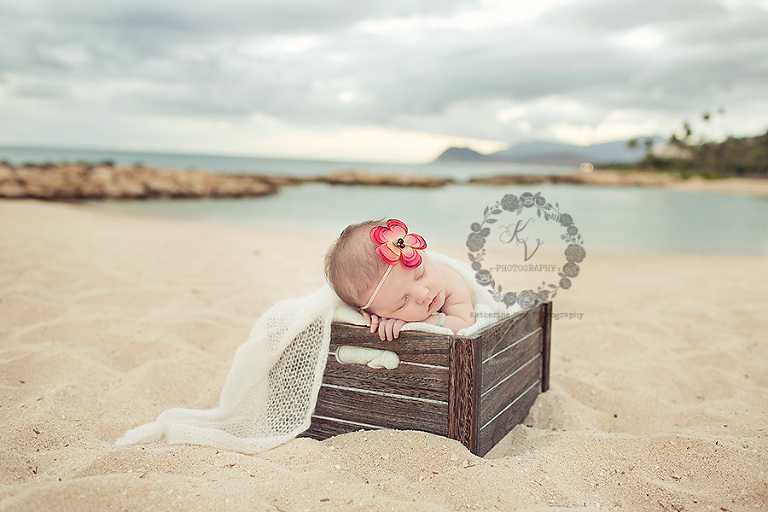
(384, 271)
(352, 266)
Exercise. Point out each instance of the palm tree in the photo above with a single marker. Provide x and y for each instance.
(648, 144)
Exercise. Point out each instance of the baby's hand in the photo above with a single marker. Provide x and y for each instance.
(389, 328)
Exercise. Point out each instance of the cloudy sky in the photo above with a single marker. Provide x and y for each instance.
(375, 80)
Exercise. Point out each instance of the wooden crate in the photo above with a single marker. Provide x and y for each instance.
(473, 389)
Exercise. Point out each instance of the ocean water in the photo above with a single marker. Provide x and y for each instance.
(255, 165)
(610, 219)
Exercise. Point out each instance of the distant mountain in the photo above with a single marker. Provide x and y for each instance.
(556, 153)
(461, 154)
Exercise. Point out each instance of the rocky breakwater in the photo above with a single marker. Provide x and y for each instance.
(358, 177)
(72, 182)
(601, 177)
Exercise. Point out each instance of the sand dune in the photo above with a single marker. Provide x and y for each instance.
(658, 400)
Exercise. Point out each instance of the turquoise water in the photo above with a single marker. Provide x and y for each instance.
(614, 219)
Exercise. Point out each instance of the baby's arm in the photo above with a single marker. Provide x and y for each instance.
(458, 307)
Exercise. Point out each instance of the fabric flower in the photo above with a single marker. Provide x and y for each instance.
(396, 244)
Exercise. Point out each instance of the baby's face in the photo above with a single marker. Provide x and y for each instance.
(410, 294)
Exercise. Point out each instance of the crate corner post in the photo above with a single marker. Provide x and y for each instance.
(464, 392)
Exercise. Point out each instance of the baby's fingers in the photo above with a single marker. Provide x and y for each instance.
(375, 320)
(366, 318)
(383, 331)
(392, 328)
(396, 328)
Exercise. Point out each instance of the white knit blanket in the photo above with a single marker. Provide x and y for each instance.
(272, 387)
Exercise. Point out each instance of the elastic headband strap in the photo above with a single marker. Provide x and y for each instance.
(378, 287)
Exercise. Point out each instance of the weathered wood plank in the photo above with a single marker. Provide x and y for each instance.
(390, 411)
(412, 346)
(323, 428)
(464, 392)
(505, 362)
(507, 331)
(493, 432)
(545, 349)
(406, 379)
(508, 390)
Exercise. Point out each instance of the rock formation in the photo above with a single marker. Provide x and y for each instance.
(359, 177)
(81, 181)
(71, 182)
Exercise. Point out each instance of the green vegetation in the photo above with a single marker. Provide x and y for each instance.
(745, 156)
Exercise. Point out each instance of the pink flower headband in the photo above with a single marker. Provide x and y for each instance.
(395, 244)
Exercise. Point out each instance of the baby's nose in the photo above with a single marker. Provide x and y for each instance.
(423, 295)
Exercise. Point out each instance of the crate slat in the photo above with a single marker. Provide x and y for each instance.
(407, 379)
(493, 432)
(509, 389)
(498, 336)
(323, 428)
(502, 364)
(412, 346)
(390, 411)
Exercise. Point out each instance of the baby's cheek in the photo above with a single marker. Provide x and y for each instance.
(418, 317)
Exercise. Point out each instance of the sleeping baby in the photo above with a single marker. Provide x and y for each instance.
(383, 272)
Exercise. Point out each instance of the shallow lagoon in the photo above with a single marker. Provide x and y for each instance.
(611, 219)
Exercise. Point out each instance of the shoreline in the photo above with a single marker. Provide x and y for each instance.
(629, 178)
(106, 181)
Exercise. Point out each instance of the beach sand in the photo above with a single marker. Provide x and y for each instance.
(658, 399)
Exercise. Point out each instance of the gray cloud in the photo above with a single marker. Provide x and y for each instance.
(313, 62)
(610, 16)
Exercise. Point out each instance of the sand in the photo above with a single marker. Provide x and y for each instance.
(658, 399)
(745, 186)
